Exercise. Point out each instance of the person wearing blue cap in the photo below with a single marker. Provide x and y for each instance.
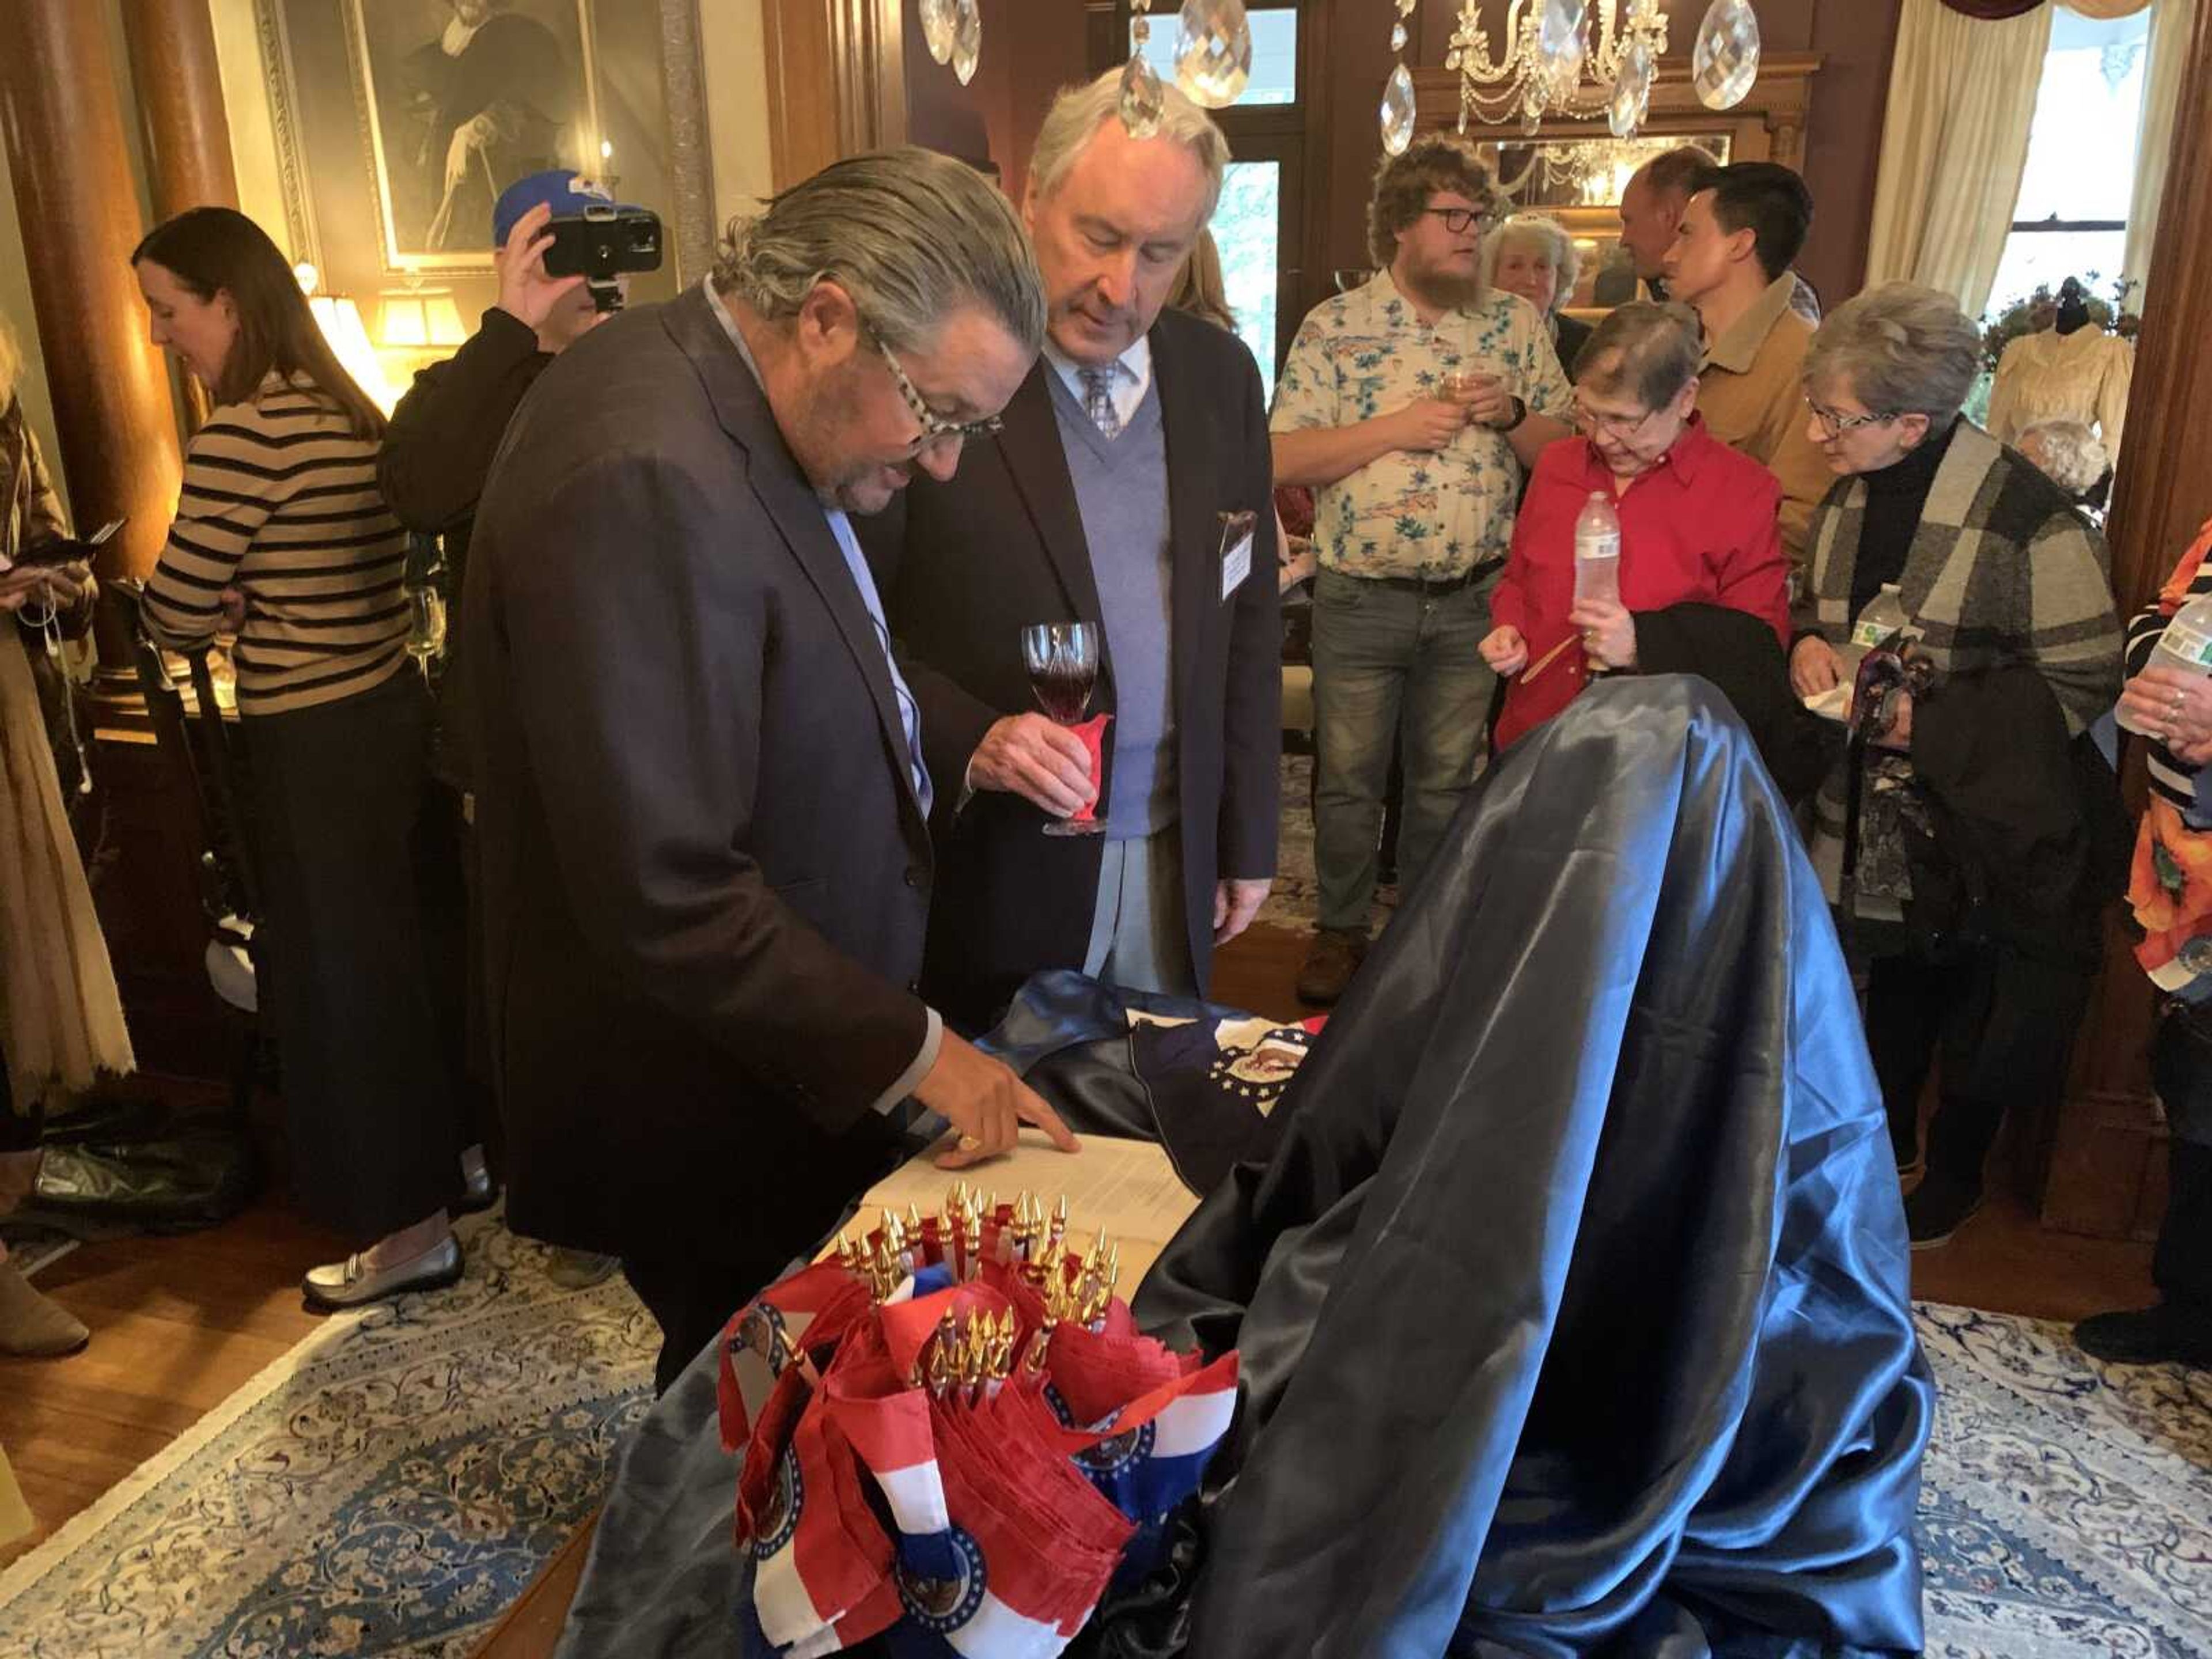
(438, 450)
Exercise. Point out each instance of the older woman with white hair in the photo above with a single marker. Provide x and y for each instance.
(1532, 255)
(1981, 820)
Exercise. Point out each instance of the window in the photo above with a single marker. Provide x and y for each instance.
(2072, 217)
(1247, 230)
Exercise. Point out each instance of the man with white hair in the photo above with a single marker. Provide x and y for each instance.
(1130, 489)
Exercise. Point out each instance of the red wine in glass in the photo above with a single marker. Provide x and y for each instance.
(1063, 660)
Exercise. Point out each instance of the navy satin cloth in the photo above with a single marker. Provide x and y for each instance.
(1573, 1294)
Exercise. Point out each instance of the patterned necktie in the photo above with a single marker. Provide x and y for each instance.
(1098, 399)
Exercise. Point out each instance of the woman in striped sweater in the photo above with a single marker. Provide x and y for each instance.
(2170, 894)
(281, 536)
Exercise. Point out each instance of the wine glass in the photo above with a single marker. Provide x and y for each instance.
(426, 626)
(1063, 660)
(1474, 376)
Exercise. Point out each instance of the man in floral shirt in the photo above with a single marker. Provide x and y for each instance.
(1415, 472)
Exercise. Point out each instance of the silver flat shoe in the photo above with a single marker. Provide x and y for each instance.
(351, 1283)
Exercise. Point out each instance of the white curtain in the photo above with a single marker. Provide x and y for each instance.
(1954, 147)
(2172, 22)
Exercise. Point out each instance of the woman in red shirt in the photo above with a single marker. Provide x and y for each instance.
(1697, 520)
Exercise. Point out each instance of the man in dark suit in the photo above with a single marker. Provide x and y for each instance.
(701, 798)
(1131, 488)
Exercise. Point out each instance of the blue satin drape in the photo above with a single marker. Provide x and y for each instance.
(1573, 1294)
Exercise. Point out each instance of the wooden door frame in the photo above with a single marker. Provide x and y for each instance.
(854, 50)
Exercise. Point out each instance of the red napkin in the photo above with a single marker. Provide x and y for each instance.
(1093, 733)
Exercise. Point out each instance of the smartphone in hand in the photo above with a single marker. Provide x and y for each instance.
(68, 550)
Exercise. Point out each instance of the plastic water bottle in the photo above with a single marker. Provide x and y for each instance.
(2185, 647)
(1885, 616)
(1597, 551)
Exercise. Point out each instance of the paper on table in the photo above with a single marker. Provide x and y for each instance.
(1127, 1187)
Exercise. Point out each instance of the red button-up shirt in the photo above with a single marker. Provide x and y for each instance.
(1698, 527)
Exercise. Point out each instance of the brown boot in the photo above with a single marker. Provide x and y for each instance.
(32, 1326)
(1332, 959)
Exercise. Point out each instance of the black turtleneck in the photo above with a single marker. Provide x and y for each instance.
(1896, 498)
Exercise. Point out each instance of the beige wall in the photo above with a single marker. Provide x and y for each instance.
(732, 41)
(252, 135)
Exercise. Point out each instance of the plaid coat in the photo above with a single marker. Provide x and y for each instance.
(2002, 570)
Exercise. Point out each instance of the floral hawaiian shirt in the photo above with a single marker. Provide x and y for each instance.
(1368, 353)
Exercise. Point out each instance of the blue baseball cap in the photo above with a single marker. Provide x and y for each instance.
(567, 193)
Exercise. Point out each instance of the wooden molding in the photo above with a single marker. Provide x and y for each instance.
(837, 83)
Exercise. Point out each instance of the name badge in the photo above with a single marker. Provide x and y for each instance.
(1238, 530)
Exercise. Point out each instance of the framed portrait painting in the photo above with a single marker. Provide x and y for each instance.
(398, 124)
(461, 98)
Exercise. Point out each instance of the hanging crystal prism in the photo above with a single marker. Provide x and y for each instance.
(1532, 105)
(1726, 60)
(1398, 36)
(1213, 51)
(938, 20)
(1631, 91)
(1399, 113)
(1142, 98)
(1406, 7)
(1560, 48)
(968, 41)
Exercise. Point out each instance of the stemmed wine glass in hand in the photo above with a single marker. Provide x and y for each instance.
(1063, 660)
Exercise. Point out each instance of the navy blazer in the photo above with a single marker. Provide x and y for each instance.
(965, 566)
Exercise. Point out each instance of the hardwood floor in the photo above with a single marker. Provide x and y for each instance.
(179, 1322)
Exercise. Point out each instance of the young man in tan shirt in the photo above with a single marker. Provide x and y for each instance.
(1742, 228)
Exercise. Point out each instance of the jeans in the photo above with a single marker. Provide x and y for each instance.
(1388, 659)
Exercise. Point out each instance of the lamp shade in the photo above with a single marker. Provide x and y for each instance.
(420, 320)
(340, 320)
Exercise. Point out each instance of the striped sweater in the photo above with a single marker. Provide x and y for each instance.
(280, 500)
(2170, 887)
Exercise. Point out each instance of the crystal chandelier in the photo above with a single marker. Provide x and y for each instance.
(1213, 61)
(953, 30)
(1575, 59)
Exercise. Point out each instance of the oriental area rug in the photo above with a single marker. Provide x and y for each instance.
(392, 1485)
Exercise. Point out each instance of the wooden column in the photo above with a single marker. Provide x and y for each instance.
(80, 216)
(182, 119)
(180, 108)
(2107, 1171)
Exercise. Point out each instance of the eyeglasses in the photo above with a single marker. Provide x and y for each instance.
(1614, 426)
(1457, 220)
(1834, 425)
(935, 429)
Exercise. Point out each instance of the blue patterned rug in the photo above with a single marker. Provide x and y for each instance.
(392, 1485)
(2066, 1509)
(388, 1487)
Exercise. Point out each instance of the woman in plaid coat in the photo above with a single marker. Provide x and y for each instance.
(2008, 590)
